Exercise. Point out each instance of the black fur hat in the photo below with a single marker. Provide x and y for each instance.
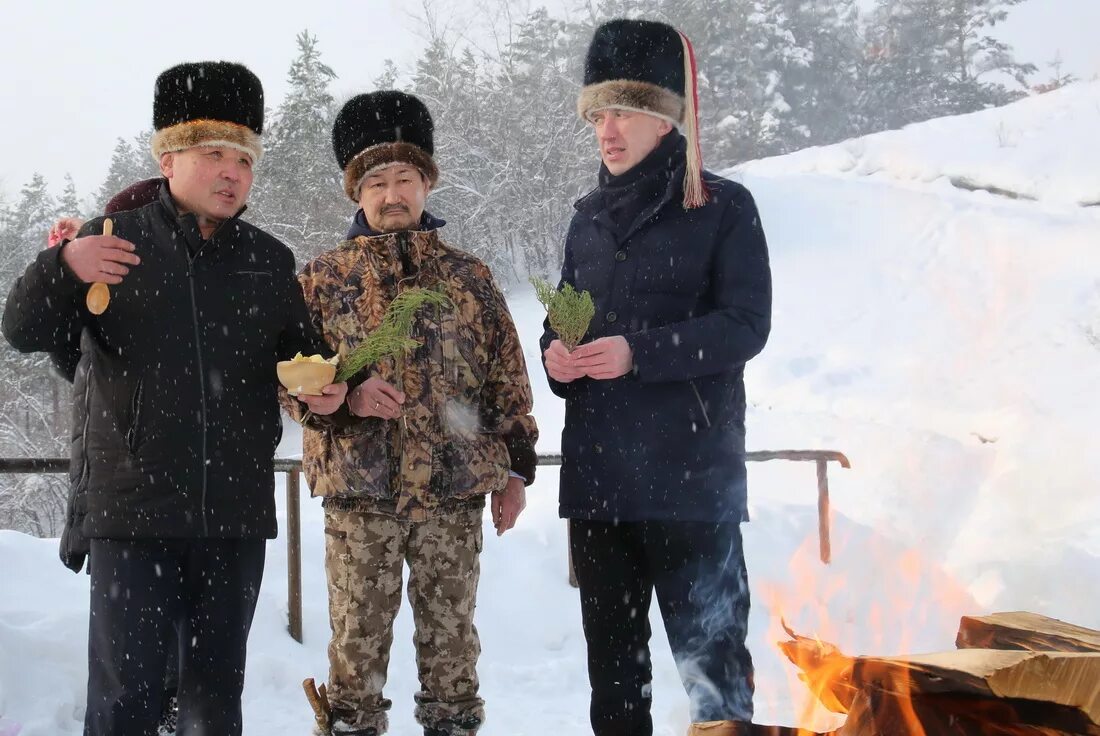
(208, 103)
(649, 67)
(380, 129)
(637, 64)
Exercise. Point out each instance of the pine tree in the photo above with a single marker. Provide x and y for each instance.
(550, 152)
(32, 421)
(130, 162)
(456, 92)
(298, 191)
(69, 203)
(930, 58)
(812, 59)
(389, 76)
(31, 218)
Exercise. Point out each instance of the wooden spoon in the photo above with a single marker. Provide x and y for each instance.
(99, 296)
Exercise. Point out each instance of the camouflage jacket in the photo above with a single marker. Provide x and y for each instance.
(467, 414)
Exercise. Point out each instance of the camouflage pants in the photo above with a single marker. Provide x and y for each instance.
(364, 554)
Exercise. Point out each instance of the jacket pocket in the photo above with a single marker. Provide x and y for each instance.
(350, 465)
(338, 565)
(466, 469)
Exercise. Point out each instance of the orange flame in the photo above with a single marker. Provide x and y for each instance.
(883, 615)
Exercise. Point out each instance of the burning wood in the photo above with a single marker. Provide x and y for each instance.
(1028, 631)
(968, 692)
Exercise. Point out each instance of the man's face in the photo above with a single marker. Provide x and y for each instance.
(211, 181)
(393, 198)
(626, 137)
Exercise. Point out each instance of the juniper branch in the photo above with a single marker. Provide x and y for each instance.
(393, 336)
(570, 312)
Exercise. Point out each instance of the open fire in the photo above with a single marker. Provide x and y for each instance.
(1013, 674)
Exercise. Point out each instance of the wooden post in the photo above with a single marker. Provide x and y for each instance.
(293, 556)
(823, 510)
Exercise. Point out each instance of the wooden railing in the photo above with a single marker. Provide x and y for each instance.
(293, 470)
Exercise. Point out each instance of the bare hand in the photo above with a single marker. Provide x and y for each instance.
(64, 229)
(332, 396)
(376, 398)
(508, 504)
(559, 363)
(102, 258)
(605, 358)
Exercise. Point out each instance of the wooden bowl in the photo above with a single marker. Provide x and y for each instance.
(302, 377)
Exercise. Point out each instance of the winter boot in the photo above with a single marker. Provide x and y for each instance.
(459, 727)
(342, 728)
(719, 728)
(168, 717)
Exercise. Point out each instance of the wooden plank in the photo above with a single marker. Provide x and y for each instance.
(1026, 631)
(1069, 679)
(1052, 688)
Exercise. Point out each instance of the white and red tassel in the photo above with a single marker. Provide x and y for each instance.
(695, 190)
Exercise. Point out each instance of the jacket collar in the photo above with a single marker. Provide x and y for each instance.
(188, 222)
(403, 253)
(360, 226)
(592, 204)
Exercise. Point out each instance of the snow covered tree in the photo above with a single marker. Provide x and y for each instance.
(811, 60)
(33, 418)
(131, 162)
(550, 153)
(930, 58)
(69, 203)
(298, 194)
(389, 76)
(1057, 79)
(30, 220)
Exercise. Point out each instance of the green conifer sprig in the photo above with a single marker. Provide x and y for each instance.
(570, 311)
(392, 336)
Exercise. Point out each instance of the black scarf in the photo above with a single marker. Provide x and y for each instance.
(627, 196)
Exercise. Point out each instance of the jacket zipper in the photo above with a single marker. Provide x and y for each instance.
(402, 241)
(198, 352)
(202, 379)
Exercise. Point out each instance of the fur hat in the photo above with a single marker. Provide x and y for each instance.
(649, 67)
(378, 130)
(208, 103)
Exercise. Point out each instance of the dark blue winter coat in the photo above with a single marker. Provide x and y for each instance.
(691, 292)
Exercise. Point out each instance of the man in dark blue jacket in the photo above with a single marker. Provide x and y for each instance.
(653, 474)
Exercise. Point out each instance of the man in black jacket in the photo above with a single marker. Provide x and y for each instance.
(653, 472)
(175, 413)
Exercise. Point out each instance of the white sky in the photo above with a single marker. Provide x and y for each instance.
(78, 74)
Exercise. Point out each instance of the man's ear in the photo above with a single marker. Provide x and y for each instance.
(167, 162)
(664, 128)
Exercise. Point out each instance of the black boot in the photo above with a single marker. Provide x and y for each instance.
(169, 715)
(461, 727)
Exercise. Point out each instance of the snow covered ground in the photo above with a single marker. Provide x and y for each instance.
(947, 341)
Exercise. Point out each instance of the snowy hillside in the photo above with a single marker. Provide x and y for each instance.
(1041, 148)
(947, 341)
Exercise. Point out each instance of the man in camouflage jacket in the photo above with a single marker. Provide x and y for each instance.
(405, 468)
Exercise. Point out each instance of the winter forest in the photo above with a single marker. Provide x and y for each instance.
(775, 76)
